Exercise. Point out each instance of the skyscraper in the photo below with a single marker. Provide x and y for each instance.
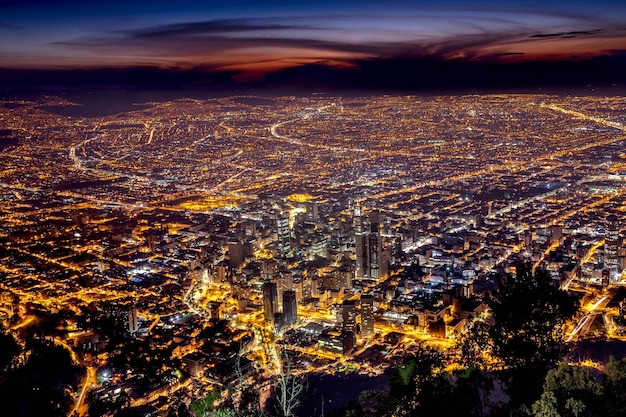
(270, 300)
(359, 244)
(374, 249)
(283, 235)
(371, 260)
(349, 315)
(611, 246)
(367, 315)
(290, 308)
(284, 282)
(133, 322)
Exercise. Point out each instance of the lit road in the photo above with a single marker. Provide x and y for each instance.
(90, 379)
(585, 117)
(25, 322)
(585, 322)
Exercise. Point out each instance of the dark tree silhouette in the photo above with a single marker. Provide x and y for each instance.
(569, 391)
(9, 348)
(529, 314)
(41, 385)
(615, 388)
(526, 338)
(420, 386)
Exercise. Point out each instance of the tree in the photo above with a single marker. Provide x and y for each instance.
(473, 389)
(420, 385)
(42, 383)
(203, 407)
(9, 348)
(569, 391)
(614, 384)
(289, 390)
(529, 314)
(374, 403)
(475, 347)
(546, 406)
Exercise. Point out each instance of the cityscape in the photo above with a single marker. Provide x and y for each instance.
(286, 208)
(228, 239)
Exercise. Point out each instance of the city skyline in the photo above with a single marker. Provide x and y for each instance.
(294, 208)
(182, 246)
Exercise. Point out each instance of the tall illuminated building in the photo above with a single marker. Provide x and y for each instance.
(374, 250)
(349, 314)
(371, 261)
(367, 315)
(133, 321)
(283, 233)
(611, 246)
(284, 282)
(270, 301)
(360, 247)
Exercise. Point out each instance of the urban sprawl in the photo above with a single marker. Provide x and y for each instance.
(228, 234)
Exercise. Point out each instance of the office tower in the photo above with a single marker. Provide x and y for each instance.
(284, 282)
(611, 246)
(133, 322)
(528, 238)
(220, 273)
(486, 208)
(270, 300)
(290, 309)
(283, 233)
(374, 249)
(349, 315)
(342, 278)
(360, 246)
(269, 268)
(367, 315)
(310, 287)
(371, 260)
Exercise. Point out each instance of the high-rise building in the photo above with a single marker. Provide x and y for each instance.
(367, 315)
(133, 321)
(283, 233)
(270, 300)
(290, 309)
(359, 244)
(284, 282)
(342, 278)
(349, 314)
(371, 260)
(611, 246)
(374, 249)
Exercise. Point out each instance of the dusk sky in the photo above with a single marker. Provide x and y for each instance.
(249, 40)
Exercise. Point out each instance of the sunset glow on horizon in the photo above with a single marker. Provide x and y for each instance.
(250, 39)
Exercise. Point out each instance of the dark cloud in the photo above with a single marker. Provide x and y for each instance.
(429, 74)
(566, 34)
(200, 38)
(211, 27)
(397, 74)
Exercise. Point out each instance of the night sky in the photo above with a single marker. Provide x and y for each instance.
(401, 44)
